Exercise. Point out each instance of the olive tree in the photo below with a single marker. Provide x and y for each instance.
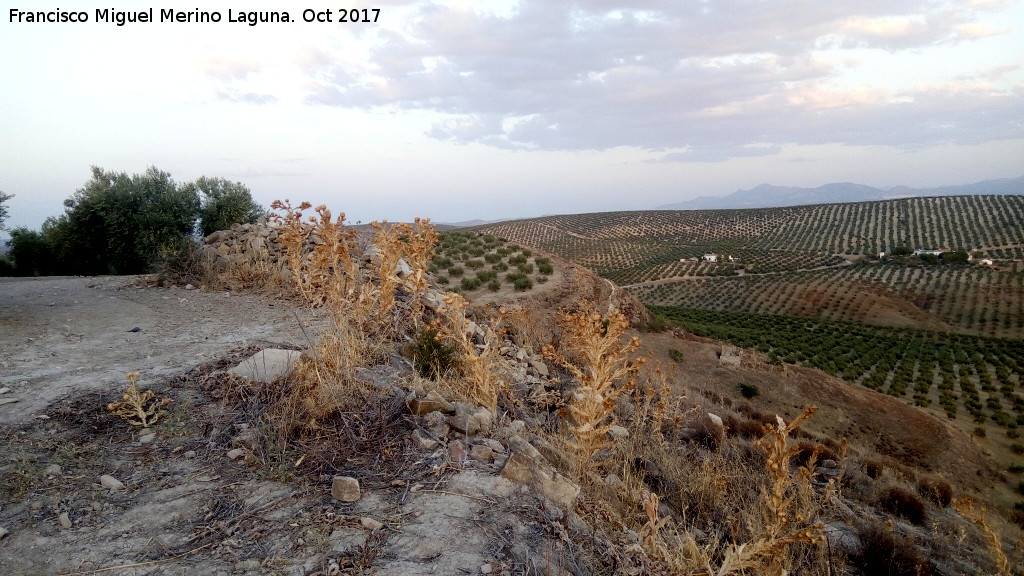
(224, 203)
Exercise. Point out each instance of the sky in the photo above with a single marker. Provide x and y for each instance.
(458, 110)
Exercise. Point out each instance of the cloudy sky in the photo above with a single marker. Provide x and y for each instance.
(457, 110)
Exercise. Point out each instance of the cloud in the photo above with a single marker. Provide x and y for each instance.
(693, 81)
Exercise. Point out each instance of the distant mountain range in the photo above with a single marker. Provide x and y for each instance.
(768, 196)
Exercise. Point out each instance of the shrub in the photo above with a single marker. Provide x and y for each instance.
(474, 264)
(494, 285)
(749, 390)
(525, 268)
(885, 554)
(443, 280)
(456, 271)
(545, 268)
(979, 431)
(1015, 468)
(675, 355)
(486, 275)
(937, 490)
(1017, 448)
(432, 356)
(542, 279)
(527, 253)
(500, 267)
(904, 503)
(470, 283)
(492, 258)
(523, 283)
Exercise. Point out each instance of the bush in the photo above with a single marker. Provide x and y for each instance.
(904, 503)
(527, 253)
(675, 355)
(492, 258)
(456, 271)
(470, 283)
(1017, 448)
(525, 268)
(494, 285)
(545, 267)
(749, 390)
(500, 267)
(542, 279)
(475, 264)
(486, 275)
(885, 554)
(443, 280)
(873, 468)
(432, 356)
(937, 490)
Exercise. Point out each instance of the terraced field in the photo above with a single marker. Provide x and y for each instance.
(817, 261)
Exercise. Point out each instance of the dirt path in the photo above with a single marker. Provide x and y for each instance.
(60, 334)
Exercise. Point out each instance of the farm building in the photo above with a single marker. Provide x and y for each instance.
(711, 257)
(920, 251)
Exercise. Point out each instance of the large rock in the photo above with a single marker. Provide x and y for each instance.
(267, 365)
(527, 466)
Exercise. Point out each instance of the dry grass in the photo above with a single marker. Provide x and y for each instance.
(599, 359)
(967, 509)
(479, 365)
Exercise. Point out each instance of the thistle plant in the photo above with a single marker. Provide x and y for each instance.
(600, 360)
(139, 408)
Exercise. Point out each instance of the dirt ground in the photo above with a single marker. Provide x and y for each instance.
(182, 505)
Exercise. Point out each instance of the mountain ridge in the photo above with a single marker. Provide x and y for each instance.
(771, 196)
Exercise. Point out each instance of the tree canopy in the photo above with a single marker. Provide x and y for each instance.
(3, 207)
(121, 224)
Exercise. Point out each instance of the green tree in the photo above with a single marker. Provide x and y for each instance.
(224, 203)
(31, 253)
(3, 207)
(117, 224)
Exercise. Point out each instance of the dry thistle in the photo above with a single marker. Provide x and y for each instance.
(138, 408)
(603, 369)
(784, 527)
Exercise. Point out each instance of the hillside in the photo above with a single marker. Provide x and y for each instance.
(804, 286)
(766, 195)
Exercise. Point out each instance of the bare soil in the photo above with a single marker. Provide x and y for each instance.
(186, 507)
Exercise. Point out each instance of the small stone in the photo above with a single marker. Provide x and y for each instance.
(436, 423)
(4, 532)
(236, 453)
(617, 432)
(53, 470)
(370, 524)
(827, 463)
(111, 483)
(481, 453)
(190, 454)
(422, 441)
(431, 402)
(4, 390)
(189, 287)
(345, 489)
(147, 438)
(457, 451)
(486, 569)
(540, 367)
(64, 520)
(613, 480)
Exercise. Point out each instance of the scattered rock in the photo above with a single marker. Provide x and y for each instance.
(190, 454)
(436, 423)
(613, 480)
(717, 420)
(457, 451)
(486, 569)
(53, 470)
(267, 365)
(540, 367)
(65, 520)
(111, 483)
(422, 441)
(370, 524)
(470, 420)
(189, 287)
(4, 390)
(843, 539)
(4, 532)
(345, 489)
(481, 453)
(147, 438)
(236, 453)
(430, 402)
